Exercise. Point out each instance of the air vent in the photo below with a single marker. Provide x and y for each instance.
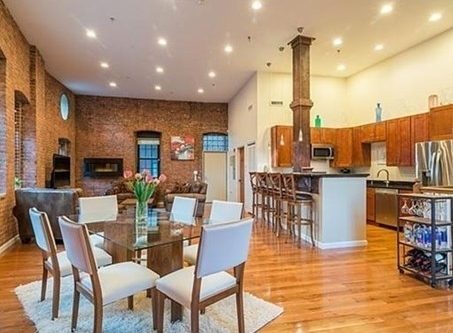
(276, 103)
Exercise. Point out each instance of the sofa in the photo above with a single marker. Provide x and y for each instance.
(55, 202)
(195, 190)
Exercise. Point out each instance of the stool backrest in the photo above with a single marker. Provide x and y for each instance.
(253, 180)
(276, 182)
(289, 183)
(261, 181)
(216, 253)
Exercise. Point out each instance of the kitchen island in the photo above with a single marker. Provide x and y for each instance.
(340, 208)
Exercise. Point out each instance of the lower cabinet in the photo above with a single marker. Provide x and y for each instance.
(370, 204)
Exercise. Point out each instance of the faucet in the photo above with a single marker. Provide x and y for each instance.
(387, 181)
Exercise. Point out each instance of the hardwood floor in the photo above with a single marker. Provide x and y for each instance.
(349, 290)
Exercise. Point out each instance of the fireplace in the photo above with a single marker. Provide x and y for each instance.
(102, 167)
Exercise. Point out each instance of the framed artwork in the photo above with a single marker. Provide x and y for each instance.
(182, 148)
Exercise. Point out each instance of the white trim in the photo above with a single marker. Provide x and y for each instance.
(335, 245)
(9, 243)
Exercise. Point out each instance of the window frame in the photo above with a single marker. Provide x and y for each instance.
(150, 136)
(220, 144)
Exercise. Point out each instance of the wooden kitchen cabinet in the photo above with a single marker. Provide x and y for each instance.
(361, 152)
(368, 133)
(281, 146)
(343, 148)
(328, 136)
(399, 142)
(380, 132)
(370, 204)
(315, 135)
(441, 122)
(419, 131)
(405, 142)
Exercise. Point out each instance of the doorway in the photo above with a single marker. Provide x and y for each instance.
(241, 173)
(215, 175)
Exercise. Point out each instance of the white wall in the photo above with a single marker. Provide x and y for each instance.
(403, 83)
(242, 129)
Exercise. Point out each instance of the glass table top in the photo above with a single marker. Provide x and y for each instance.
(161, 228)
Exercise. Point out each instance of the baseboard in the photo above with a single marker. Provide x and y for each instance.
(9, 243)
(339, 245)
(335, 245)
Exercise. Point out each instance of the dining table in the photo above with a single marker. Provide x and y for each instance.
(162, 236)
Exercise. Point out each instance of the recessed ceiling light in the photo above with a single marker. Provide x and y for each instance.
(228, 48)
(337, 41)
(157, 88)
(159, 69)
(90, 33)
(378, 47)
(162, 41)
(341, 67)
(200, 90)
(212, 74)
(104, 64)
(435, 17)
(387, 8)
(113, 84)
(257, 5)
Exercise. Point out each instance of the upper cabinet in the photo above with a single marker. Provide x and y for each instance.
(343, 148)
(419, 131)
(323, 135)
(281, 146)
(441, 122)
(361, 149)
(399, 142)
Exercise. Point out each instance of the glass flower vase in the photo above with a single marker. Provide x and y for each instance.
(141, 212)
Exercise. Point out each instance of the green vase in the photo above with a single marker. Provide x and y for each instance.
(141, 212)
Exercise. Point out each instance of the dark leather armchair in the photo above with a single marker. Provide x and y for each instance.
(52, 201)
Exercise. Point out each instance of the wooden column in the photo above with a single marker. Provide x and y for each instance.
(301, 103)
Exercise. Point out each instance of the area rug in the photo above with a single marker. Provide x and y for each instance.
(219, 317)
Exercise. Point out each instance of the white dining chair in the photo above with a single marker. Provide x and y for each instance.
(95, 209)
(221, 212)
(107, 284)
(210, 281)
(57, 264)
(184, 208)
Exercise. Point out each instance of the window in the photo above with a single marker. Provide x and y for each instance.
(215, 142)
(64, 107)
(148, 152)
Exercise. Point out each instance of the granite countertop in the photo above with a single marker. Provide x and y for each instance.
(393, 184)
(331, 175)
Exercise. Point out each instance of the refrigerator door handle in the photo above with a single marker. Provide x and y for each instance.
(431, 171)
(437, 168)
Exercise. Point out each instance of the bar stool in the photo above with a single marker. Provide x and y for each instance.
(263, 193)
(298, 202)
(277, 200)
(254, 186)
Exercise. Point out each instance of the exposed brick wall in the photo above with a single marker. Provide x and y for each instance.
(107, 126)
(22, 73)
(55, 127)
(16, 51)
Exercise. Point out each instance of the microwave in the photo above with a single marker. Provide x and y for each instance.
(322, 152)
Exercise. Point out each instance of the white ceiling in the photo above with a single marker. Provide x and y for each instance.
(197, 32)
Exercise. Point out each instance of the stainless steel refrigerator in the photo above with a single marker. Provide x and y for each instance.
(434, 162)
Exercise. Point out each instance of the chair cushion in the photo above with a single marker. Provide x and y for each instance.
(97, 241)
(102, 259)
(190, 254)
(178, 285)
(122, 280)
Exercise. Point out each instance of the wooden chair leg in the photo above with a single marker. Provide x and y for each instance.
(195, 318)
(98, 314)
(312, 222)
(240, 311)
(160, 311)
(299, 225)
(75, 310)
(130, 302)
(56, 296)
(154, 305)
(44, 283)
